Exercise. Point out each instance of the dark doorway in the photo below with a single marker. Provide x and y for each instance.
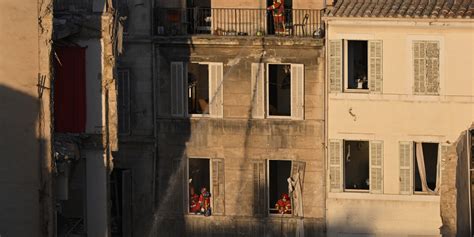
(279, 89)
(356, 165)
(121, 196)
(288, 15)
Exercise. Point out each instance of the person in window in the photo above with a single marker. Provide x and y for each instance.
(278, 11)
(205, 202)
(193, 201)
(283, 205)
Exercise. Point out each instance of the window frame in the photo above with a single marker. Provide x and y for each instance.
(345, 72)
(268, 191)
(344, 189)
(127, 71)
(411, 46)
(190, 115)
(414, 165)
(209, 159)
(267, 92)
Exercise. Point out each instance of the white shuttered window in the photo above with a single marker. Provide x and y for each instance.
(376, 167)
(426, 67)
(335, 165)
(258, 90)
(216, 89)
(406, 156)
(297, 91)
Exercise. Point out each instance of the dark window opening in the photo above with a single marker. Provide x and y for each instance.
(357, 65)
(430, 157)
(279, 89)
(121, 201)
(198, 88)
(199, 187)
(279, 201)
(356, 165)
(123, 101)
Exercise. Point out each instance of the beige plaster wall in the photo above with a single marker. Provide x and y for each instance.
(398, 115)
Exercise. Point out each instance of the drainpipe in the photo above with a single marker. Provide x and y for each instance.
(326, 126)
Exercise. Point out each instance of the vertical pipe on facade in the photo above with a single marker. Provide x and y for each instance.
(469, 176)
(326, 123)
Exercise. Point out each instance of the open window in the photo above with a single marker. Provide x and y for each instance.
(426, 167)
(285, 91)
(285, 186)
(420, 167)
(279, 89)
(355, 66)
(356, 165)
(199, 186)
(198, 88)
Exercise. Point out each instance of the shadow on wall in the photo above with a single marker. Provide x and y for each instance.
(20, 154)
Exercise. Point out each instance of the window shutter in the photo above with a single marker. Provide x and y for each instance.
(258, 90)
(177, 89)
(443, 152)
(259, 185)
(376, 167)
(335, 165)
(179, 173)
(426, 67)
(218, 184)
(298, 167)
(432, 67)
(123, 101)
(406, 154)
(297, 91)
(335, 65)
(375, 66)
(216, 90)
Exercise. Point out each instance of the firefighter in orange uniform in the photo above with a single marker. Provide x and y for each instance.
(278, 11)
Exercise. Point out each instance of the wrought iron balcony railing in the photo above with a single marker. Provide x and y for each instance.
(235, 22)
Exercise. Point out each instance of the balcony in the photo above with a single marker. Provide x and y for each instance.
(234, 22)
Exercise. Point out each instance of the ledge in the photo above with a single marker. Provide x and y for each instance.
(384, 197)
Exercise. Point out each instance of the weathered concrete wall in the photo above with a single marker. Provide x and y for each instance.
(25, 154)
(240, 140)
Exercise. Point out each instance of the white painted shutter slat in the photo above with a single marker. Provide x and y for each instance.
(376, 167)
(297, 91)
(216, 90)
(432, 67)
(335, 65)
(258, 90)
(177, 89)
(405, 155)
(335, 166)
(218, 185)
(375, 66)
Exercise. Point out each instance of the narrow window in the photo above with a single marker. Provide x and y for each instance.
(279, 201)
(426, 166)
(199, 187)
(357, 73)
(198, 88)
(356, 165)
(123, 101)
(279, 89)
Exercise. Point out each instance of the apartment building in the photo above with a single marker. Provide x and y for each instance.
(400, 93)
(217, 96)
(86, 39)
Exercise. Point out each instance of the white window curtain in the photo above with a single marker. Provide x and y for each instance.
(422, 170)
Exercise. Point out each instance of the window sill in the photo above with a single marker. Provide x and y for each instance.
(384, 197)
(272, 215)
(364, 91)
(199, 115)
(279, 117)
